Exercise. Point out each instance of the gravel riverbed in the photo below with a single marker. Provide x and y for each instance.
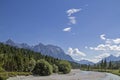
(73, 75)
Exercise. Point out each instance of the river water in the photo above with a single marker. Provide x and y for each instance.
(108, 76)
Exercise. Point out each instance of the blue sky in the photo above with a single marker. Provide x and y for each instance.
(78, 26)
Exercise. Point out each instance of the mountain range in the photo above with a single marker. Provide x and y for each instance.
(108, 59)
(112, 58)
(55, 51)
(85, 62)
(49, 50)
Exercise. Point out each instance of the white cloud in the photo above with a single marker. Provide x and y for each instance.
(101, 47)
(118, 54)
(68, 29)
(110, 41)
(111, 46)
(98, 58)
(106, 47)
(113, 41)
(94, 60)
(102, 36)
(72, 20)
(75, 53)
(116, 41)
(101, 56)
(72, 11)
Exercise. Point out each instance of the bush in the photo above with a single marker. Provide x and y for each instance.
(42, 68)
(55, 68)
(1, 69)
(64, 67)
(3, 77)
(32, 64)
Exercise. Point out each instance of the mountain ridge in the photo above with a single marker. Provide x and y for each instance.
(50, 50)
(85, 62)
(111, 58)
(55, 51)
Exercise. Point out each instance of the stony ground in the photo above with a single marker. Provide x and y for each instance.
(74, 75)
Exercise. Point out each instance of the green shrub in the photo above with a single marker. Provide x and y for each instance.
(3, 77)
(1, 69)
(55, 68)
(23, 73)
(32, 64)
(64, 67)
(11, 74)
(42, 68)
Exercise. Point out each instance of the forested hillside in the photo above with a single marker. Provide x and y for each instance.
(15, 59)
(50, 50)
(23, 60)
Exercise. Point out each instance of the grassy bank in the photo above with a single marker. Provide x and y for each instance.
(5, 75)
(117, 72)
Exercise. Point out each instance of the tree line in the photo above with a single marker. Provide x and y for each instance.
(14, 59)
(103, 65)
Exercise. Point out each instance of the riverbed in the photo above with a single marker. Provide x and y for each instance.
(73, 75)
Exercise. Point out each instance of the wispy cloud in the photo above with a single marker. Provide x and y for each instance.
(102, 36)
(116, 41)
(72, 20)
(72, 11)
(68, 29)
(106, 47)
